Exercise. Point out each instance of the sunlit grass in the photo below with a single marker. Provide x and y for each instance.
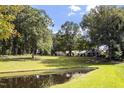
(107, 76)
(25, 63)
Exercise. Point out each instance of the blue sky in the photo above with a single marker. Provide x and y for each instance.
(61, 13)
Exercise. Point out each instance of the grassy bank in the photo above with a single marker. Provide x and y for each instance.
(107, 76)
(24, 65)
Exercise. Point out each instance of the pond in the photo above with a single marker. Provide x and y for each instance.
(42, 81)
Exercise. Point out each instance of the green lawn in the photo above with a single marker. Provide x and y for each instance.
(107, 76)
(29, 66)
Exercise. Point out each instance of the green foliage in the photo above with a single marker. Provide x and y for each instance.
(58, 41)
(31, 27)
(116, 51)
(66, 38)
(7, 15)
(33, 24)
(82, 43)
(104, 24)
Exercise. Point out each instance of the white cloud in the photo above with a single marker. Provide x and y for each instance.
(89, 7)
(74, 8)
(71, 13)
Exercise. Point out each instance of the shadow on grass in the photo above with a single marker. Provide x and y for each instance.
(7, 59)
(60, 61)
(75, 62)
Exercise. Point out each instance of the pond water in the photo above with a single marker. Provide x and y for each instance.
(41, 81)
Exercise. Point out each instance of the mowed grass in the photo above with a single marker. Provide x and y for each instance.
(107, 76)
(26, 64)
(41, 62)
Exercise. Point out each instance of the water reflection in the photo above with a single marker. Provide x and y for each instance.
(39, 81)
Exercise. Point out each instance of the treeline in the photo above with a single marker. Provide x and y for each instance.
(24, 30)
(104, 26)
(69, 38)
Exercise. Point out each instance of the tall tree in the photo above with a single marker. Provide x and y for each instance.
(7, 28)
(68, 35)
(24, 30)
(82, 43)
(105, 25)
(58, 41)
(33, 25)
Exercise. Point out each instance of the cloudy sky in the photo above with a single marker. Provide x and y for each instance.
(62, 13)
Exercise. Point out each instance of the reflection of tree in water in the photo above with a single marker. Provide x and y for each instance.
(34, 81)
(38, 81)
(50, 80)
(46, 81)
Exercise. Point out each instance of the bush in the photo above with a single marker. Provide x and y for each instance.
(117, 52)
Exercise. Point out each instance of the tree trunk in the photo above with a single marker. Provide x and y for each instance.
(70, 52)
(3, 47)
(33, 54)
(122, 49)
(110, 53)
(16, 50)
(3, 50)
